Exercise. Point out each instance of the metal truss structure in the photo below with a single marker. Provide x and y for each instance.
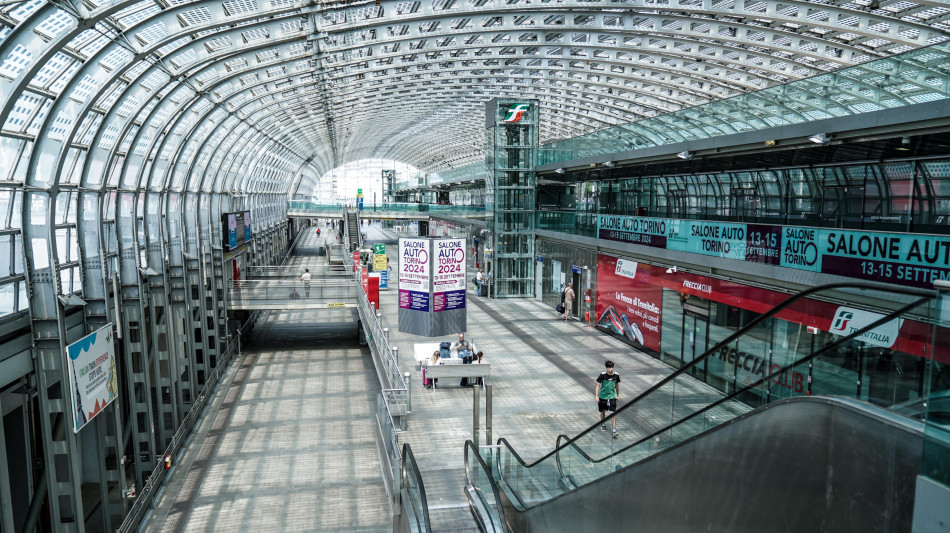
(128, 127)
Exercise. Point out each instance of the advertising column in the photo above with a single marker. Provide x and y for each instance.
(432, 286)
(448, 286)
(414, 285)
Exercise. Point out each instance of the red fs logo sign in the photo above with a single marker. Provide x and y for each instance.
(516, 112)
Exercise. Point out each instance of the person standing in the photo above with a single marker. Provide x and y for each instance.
(464, 350)
(568, 300)
(607, 394)
(305, 278)
(478, 281)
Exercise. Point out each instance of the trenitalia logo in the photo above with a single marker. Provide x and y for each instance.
(841, 320)
(516, 112)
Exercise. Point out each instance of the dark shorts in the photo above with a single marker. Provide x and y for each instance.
(607, 405)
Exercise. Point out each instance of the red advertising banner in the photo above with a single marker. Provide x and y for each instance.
(365, 281)
(356, 260)
(626, 287)
(628, 303)
(372, 292)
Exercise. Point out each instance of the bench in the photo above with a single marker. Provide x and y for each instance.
(459, 371)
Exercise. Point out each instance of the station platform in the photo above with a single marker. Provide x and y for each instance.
(291, 426)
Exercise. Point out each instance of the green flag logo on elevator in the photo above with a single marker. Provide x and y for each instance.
(516, 112)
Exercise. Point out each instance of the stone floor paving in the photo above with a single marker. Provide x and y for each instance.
(298, 434)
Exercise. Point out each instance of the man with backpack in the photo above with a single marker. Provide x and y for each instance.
(567, 299)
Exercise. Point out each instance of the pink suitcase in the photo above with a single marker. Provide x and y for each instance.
(425, 381)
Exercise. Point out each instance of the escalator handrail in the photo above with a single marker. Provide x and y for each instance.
(470, 447)
(923, 293)
(408, 458)
(883, 320)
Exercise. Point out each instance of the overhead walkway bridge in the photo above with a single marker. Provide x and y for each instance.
(394, 210)
(253, 295)
(761, 456)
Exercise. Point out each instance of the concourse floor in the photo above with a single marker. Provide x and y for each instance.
(288, 443)
(543, 380)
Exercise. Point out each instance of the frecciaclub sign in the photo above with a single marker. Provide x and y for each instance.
(913, 260)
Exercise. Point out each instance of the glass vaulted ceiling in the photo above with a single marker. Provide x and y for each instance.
(241, 95)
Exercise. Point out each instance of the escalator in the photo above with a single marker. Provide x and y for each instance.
(353, 235)
(763, 456)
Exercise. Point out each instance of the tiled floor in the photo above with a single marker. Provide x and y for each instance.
(297, 435)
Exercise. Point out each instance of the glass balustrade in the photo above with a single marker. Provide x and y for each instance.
(483, 491)
(417, 506)
(681, 407)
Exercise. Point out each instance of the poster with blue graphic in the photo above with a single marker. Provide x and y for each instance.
(247, 226)
(232, 231)
(93, 381)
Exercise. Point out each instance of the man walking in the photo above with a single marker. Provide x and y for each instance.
(568, 300)
(305, 278)
(478, 281)
(607, 394)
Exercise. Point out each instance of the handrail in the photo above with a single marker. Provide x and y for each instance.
(417, 493)
(293, 246)
(564, 442)
(147, 496)
(383, 346)
(498, 525)
(739, 392)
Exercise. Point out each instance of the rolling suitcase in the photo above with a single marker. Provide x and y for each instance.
(425, 381)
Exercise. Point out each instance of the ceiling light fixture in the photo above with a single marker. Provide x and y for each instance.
(820, 138)
(609, 164)
(559, 170)
(685, 155)
(905, 144)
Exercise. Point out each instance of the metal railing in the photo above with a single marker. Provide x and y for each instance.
(337, 290)
(146, 498)
(392, 207)
(294, 272)
(378, 337)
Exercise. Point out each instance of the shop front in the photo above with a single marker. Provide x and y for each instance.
(678, 316)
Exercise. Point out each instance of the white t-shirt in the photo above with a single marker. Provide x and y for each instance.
(478, 275)
(305, 277)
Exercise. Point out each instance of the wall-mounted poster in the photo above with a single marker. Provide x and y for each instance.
(92, 374)
(628, 303)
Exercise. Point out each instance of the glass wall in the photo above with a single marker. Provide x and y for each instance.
(512, 142)
(891, 365)
(906, 196)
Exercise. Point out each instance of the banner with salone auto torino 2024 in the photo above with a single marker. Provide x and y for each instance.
(908, 259)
